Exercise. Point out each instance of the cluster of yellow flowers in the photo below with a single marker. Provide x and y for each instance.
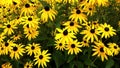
(22, 19)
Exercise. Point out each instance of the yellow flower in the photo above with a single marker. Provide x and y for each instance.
(90, 9)
(2, 49)
(47, 13)
(17, 51)
(42, 58)
(100, 50)
(6, 65)
(70, 1)
(59, 45)
(31, 34)
(8, 28)
(27, 9)
(64, 35)
(78, 15)
(102, 2)
(114, 48)
(72, 26)
(8, 46)
(2, 37)
(28, 65)
(106, 30)
(32, 21)
(90, 34)
(85, 43)
(33, 49)
(73, 47)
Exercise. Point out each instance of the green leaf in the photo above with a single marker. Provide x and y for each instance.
(109, 63)
(70, 58)
(79, 64)
(58, 57)
(89, 62)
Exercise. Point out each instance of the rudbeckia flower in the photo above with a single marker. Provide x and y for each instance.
(72, 26)
(17, 51)
(114, 48)
(85, 43)
(2, 37)
(90, 9)
(8, 46)
(6, 65)
(27, 9)
(90, 34)
(106, 30)
(73, 47)
(33, 49)
(28, 65)
(42, 58)
(8, 27)
(64, 35)
(2, 49)
(78, 15)
(59, 45)
(31, 21)
(100, 50)
(47, 13)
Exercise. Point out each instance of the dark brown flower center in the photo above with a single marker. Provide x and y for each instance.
(90, 8)
(29, 19)
(46, 8)
(92, 30)
(101, 49)
(60, 44)
(73, 45)
(6, 44)
(14, 3)
(85, 41)
(27, 5)
(28, 66)
(78, 11)
(71, 23)
(32, 47)
(41, 57)
(65, 32)
(106, 29)
(115, 47)
(15, 48)
(8, 26)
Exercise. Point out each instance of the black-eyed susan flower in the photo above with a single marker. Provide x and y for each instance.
(73, 47)
(59, 45)
(102, 2)
(2, 49)
(70, 1)
(2, 37)
(72, 26)
(114, 48)
(27, 9)
(64, 35)
(7, 46)
(28, 64)
(90, 9)
(31, 21)
(106, 30)
(33, 49)
(31, 34)
(47, 13)
(78, 15)
(17, 51)
(90, 34)
(16, 37)
(42, 58)
(85, 43)
(6, 65)
(8, 27)
(100, 50)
